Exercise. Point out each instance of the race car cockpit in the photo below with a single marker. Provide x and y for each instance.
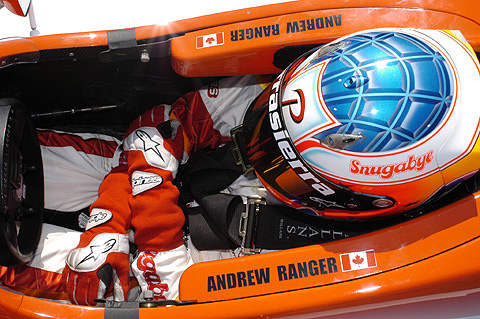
(358, 220)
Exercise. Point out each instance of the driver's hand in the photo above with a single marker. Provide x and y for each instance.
(94, 265)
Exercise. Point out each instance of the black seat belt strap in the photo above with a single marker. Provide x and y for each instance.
(224, 222)
(71, 220)
(215, 223)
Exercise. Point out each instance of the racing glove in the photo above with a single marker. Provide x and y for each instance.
(92, 268)
(101, 259)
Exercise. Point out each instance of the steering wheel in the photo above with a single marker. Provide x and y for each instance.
(21, 185)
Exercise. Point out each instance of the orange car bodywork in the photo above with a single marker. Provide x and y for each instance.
(432, 257)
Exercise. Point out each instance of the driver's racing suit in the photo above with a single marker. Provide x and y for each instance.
(143, 198)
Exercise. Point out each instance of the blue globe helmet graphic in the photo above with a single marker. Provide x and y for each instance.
(368, 125)
(390, 88)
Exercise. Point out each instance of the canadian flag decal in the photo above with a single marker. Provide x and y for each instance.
(358, 260)
(210, 40)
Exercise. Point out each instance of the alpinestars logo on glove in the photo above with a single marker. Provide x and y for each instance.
(142, 181)
(98, 250)
(98, 216)
(149, 143)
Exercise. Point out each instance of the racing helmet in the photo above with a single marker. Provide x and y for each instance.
(373, 124)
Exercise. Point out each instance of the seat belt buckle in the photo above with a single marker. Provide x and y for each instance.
(237, 151)
(248, 225)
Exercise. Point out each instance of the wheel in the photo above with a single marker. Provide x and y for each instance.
(21, 185)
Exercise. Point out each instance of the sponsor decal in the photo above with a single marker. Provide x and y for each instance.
(289, 231)
(260, 276)
(314, 24)
(97, 217)
(213, 89)
(326, 203)
(269, 30)
(358, 260)
(287, 148)
(239, 279)
(309, 269)
(301, 231)
(142, 181)
(146, 264)
(255, 33)
(210, 40)
(388, 171)
(297, 118)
